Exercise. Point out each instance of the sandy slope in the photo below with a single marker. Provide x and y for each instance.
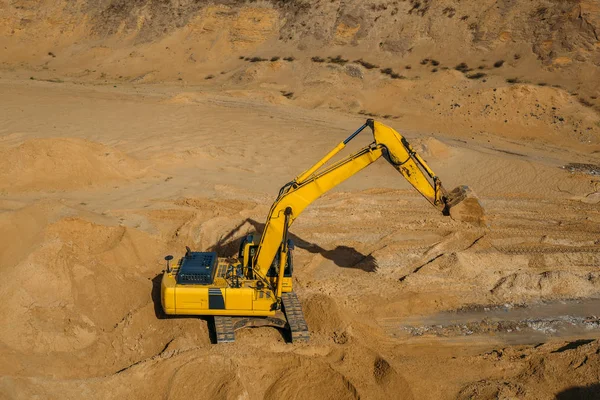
(98, 198)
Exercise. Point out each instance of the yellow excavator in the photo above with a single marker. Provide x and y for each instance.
(255, 288)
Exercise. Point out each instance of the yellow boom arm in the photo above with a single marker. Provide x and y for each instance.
(295, 196)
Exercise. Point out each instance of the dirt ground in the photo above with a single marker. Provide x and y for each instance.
(117, 150)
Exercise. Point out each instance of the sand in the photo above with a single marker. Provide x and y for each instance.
(115, 151)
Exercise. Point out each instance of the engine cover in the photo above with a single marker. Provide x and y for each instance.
(197, 268)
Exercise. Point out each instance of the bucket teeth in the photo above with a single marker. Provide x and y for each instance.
(224, 330)
(295, 317)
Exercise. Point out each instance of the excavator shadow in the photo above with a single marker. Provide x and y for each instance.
(342, 256)
(580, 392)
(158, 311)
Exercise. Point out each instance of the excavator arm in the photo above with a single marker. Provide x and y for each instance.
(296, 195)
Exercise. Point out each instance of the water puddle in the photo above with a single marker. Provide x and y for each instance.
(511, 323)
(590, 169)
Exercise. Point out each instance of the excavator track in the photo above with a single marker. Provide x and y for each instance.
(224, 330)
(295, 317)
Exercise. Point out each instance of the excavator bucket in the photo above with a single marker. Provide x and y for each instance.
(464, 205)
(461, 203)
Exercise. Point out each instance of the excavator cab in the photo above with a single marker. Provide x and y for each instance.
(289, 263)
(247, 252)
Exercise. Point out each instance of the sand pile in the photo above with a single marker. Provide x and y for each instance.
(78, 284)
(326, 383)
(547, 285)
(64, 163)
(432, 148)
(324, 317)
(220, 381)
(62, 271)
(566, 371)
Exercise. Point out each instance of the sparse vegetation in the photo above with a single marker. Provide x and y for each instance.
(477, 75)
(513, 80)
(464, 18)
(273, 59)
(379, 7)
(51, 54)
(542, 84)
(585, 102)
(337, 60)
(434, 70)
(449, 12)
(317, 59)
(416, 6)
(392, 74)
(481, 67)
(257, 59)
(289, 95)
(408, 67)
(431, 61)
(498, 63)
(517, 56)
(209, 77)
(366, 64)
(289, 59)
(241, 57)
(462, 67)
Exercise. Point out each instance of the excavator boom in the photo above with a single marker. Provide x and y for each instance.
(296, 195)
